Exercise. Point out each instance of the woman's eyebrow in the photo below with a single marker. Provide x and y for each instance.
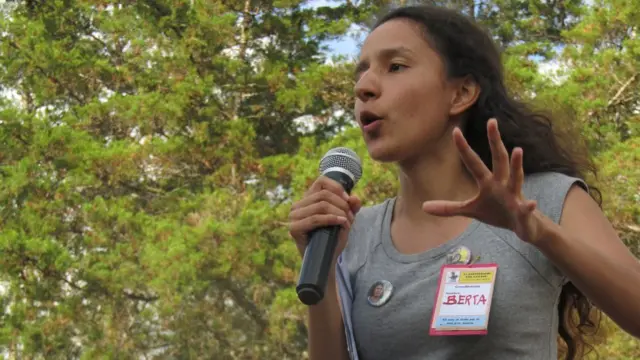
(385, 53)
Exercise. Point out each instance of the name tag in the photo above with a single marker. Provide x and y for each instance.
(463, 300)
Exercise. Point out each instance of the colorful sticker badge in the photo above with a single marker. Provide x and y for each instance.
(463, 299)
(459, 255)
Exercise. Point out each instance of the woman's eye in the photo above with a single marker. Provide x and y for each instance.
(396, 67)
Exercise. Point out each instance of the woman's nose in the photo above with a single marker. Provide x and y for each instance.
(367, 87)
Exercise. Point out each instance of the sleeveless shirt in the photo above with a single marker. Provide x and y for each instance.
(523, 323)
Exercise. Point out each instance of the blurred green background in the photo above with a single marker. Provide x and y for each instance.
(150, 151)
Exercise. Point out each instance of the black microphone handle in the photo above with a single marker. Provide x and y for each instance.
(318, 256)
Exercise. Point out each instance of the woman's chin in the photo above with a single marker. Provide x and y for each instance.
(381, 152)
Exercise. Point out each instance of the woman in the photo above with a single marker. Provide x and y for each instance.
(482, 180)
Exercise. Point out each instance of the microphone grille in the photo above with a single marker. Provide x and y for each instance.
(343, 158)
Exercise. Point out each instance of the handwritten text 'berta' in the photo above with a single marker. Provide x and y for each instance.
(465, 300)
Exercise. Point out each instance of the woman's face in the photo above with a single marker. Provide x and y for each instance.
(402, 85)
(378, 291)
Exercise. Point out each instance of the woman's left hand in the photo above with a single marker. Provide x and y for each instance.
(500, 201)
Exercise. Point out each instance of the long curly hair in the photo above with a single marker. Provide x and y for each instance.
(467, 50)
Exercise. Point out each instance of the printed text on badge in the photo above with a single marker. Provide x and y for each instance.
(463, 300)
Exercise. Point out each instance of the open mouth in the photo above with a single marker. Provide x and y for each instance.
(368, 118)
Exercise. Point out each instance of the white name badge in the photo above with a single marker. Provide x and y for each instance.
(463, 300)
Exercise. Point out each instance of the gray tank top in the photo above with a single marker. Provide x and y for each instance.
(523, 323)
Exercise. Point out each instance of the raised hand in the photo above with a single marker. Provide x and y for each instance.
(500, 201)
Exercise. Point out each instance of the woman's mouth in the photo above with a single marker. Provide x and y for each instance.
(370, 121)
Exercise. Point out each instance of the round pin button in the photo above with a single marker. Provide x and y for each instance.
(379, 293)
(460, 255)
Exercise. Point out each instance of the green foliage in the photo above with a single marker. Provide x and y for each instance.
(149, 162)
(621, 179)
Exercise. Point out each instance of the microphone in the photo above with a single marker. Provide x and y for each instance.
(344, 166)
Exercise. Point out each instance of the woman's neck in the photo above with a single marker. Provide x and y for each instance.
(436, 177)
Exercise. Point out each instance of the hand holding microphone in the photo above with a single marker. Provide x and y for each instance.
(320, 221)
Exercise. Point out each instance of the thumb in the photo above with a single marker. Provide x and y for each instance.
(445, 208)
(354, 203)
(528, 207)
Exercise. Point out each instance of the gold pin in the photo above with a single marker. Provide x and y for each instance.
(459, 256)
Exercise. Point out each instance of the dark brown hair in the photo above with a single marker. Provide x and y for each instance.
(467, 50)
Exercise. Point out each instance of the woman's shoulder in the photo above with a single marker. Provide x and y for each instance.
(551, 180)
(549, 190)
(366, 232)
(373, 212)
(370, 219)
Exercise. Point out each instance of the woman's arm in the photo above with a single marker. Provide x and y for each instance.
(326, 331)
(586, 248)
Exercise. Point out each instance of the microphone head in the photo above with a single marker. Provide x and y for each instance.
(343, 160)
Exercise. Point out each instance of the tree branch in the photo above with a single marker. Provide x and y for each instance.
(59, 276)
(140, 297)
(614, 99)
(44, 73)
(251, 309)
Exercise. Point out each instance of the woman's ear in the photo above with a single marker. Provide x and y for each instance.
(464, 95)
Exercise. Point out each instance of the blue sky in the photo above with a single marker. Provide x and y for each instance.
(346, 46)
(349, 46)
